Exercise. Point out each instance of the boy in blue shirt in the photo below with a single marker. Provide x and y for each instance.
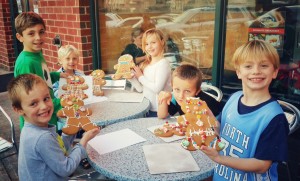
(253, 124)
(43, 154)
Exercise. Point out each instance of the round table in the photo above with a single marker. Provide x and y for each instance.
(130, 163)
(108, 112)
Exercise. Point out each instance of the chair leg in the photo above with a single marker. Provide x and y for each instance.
(6, 171)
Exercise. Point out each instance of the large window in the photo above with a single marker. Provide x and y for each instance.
(279, 25)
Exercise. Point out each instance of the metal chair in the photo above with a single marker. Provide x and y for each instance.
(292, 114)
(8, 147)
(213, 91)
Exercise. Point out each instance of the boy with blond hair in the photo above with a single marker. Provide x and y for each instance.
(253, 124)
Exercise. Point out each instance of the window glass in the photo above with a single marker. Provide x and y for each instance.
(274, 22)
(188, 27)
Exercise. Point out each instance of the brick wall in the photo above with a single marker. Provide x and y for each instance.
(71, 21)
(7, 56)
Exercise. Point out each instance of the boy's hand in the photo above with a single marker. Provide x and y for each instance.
(210, 152)
(164, 96)
(87, 136)
(137, 71)
(64, 75)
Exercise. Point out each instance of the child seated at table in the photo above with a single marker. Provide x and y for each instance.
(186, 82)
(43, 154)
(68, 57)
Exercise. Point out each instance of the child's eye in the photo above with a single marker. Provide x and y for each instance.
(42, 32)
(47, 99)
(265, 65)
(176, 90)
(33, 104)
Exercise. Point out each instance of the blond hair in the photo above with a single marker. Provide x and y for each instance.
(256, 50)
(66, 50)
(159, 36)
(27, 20)
(24, 82)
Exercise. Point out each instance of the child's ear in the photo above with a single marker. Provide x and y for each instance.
(19, 111)
(198, 91)
(19, 37)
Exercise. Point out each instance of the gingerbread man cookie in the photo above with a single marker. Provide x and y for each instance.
(168, 130)
(68, 100)
(77, 118)
(124, 66)
(199, 126)
(98, 82)
(75, 82)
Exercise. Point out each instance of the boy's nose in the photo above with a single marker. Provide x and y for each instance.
(256, 69)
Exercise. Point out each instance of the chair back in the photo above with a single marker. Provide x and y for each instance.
(292, 114)
(213, 91)
(12, 129)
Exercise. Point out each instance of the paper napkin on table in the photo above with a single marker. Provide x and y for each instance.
(115, 140)
(169, 158)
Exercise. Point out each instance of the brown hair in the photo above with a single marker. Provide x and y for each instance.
(24, 82)
(159, 35)
(26, 20)
(256, 49)
(188, 72)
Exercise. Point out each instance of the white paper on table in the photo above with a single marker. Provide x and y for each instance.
(169, 158)
(115, 84)
(126, 96)
(115, 140)
(89, 92)
(165, 139)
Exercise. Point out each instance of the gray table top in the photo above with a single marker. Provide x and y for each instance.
(130, 163)
(107, 112)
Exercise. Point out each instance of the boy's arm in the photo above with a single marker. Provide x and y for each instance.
(55, 76)
(164, 99)
(245, 164)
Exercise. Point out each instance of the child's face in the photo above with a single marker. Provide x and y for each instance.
(37, 106)
(69, 62)
(33, 38)
(184, 88)
(153, 46)
(256, 75)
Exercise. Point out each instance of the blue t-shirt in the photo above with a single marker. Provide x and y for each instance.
(252, 132)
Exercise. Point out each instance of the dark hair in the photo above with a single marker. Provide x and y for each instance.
(135, 33)
(26, 20)
(188, 72)
(24, 82)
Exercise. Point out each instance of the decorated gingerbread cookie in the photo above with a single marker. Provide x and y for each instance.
(124, 66)
(98, 82)
(168, 130)
(68, 100)
(77, 118)
(75, 82)
(200, 125)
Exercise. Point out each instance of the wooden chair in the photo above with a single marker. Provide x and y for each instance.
(8, 147)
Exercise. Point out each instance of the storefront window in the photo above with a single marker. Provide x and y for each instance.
(187, 25)
(279, 26)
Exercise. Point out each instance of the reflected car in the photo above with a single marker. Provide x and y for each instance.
(112, 19)
(193, 32)
(136, 22)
